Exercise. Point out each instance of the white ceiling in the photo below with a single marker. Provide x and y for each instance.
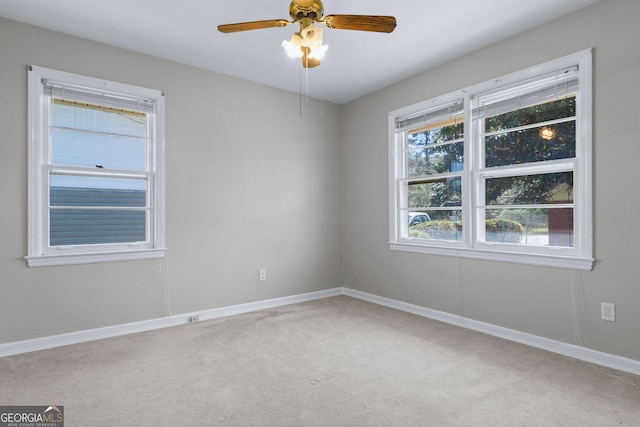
(429, 33)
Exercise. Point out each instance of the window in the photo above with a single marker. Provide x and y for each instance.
(501, 169)
(96, 170)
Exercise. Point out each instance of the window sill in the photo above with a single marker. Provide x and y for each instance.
(568, 262)
(93, 257)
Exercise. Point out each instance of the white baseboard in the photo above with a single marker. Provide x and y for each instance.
(163, 322)
(577, 352)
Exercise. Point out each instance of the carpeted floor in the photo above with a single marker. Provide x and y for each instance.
(333, 362)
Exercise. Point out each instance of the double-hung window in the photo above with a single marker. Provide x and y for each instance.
(502, 169)
(96, 170)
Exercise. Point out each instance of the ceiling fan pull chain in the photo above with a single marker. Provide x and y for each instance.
(306, 89)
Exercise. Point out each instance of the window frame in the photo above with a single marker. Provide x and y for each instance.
(39, 253)
(578, 257)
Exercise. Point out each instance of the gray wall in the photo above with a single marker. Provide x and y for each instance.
(246, 189)
(554, 303)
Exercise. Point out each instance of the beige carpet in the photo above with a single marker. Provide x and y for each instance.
(332, 362)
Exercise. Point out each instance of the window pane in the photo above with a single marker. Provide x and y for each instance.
(84, 227)
(440, 159)
(530, 189)
(72, 148)
(531, 227)
(436, 193)
(439, 132)
(558, 109)
(92, 191)
(557, 141)
(442, 225)
(94, 119)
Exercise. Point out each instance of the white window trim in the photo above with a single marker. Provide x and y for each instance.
(577, 258)
(38, 252)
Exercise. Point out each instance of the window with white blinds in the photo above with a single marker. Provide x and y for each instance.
(431, 171)
(502, 169)
(96, 170)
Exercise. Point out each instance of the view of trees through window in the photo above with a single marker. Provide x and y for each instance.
(436, 154)
(532, 208)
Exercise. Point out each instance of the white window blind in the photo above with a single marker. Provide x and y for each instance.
(531, 92)
(432, 115)
(95, 96)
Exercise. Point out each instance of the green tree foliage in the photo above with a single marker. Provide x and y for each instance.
(439, 150)
(440, 230)
(498, 230)
(528, 146)
(504, 231)
(436, 150)
(529, 218)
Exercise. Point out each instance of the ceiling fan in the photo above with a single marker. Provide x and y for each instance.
(307, 43)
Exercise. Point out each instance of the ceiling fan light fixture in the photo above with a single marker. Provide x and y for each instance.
(318, 52)
(292, 47)
(311, 36)
(312, 40)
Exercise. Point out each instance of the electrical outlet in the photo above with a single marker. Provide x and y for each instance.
(195, 318)
(608, 311)
(262, 275)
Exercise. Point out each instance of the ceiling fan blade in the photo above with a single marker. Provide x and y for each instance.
(381, 24)
(254, 25)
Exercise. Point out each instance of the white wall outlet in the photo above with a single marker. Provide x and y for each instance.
(262, 275)
(608, 311)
